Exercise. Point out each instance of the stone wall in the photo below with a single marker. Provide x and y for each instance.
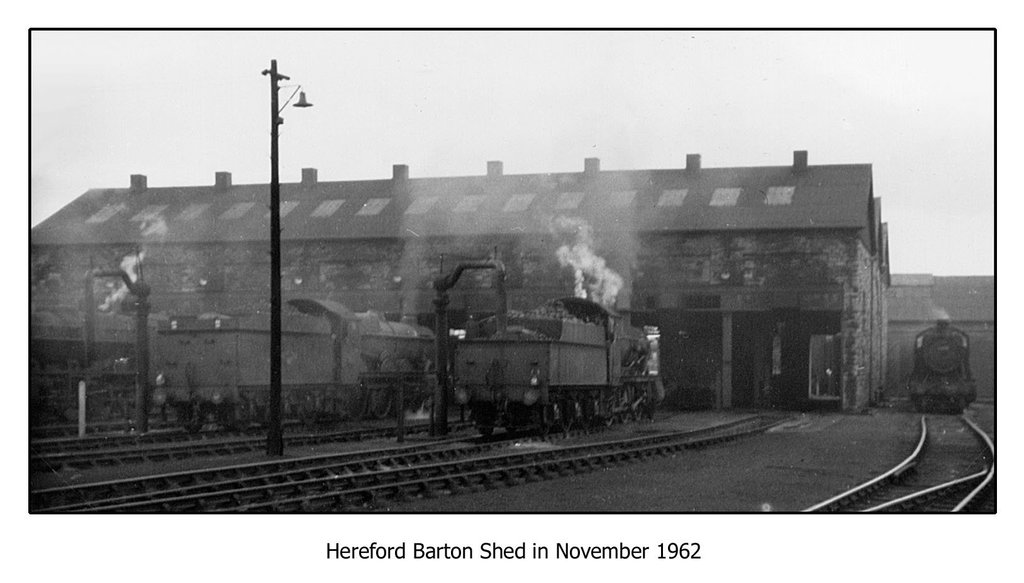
(820, 271)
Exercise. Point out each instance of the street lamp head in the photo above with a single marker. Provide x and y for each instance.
(302, 101)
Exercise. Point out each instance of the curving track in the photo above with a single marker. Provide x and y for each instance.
(952, 469)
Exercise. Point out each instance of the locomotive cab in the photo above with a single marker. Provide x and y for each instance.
(569, 362)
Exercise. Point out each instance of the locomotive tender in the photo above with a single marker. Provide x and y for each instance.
(58, 359)
(569, 363)
(942, 372)
(335, 364)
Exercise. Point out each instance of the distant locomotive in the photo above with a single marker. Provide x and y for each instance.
(336, 364)
(569, 363)
(942, 374)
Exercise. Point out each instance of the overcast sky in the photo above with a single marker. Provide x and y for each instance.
(180, 106)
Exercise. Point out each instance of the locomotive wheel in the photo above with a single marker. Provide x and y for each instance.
(957, 405)
(379, 404)
(569, 420)
(612, 418)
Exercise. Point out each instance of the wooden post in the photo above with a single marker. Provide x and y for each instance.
(726, 397)
(400, 411)
(81, 408)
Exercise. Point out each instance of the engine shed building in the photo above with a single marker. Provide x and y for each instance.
(917, 300)
(766, 284)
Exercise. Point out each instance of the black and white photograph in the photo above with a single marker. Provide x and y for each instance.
(412, 276)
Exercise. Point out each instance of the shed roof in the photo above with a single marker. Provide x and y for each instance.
(926, 298)
(774, 197)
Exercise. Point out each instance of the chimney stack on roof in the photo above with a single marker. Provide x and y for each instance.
(693, 162)
(308, 177)
(138, 183)
(591, 166)
(222, 180)
(400, 172)
(799, 160)
(495, 168)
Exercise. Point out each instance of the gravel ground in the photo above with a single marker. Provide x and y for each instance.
(784, 470)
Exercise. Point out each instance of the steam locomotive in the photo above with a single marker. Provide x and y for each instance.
(568, 363)
(58, 360)
(336, 364)
(941, 378)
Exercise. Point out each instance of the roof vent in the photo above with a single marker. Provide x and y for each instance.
(591, 166)
(495, 168)
(138, 183)
(222, 180)
(308, 177)
(799, 160)
(692, 162)
(400, 172)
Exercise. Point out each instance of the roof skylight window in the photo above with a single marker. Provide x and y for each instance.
(193, 211)
(725, 196)
(779, 195)
(327, 208)
(469, 203)
(672, 197)
(373, 206)
(568, 200)
(237, 211)
(150, 212)
(287, 206)
(518, 203)
(421, 205)
(105, 213)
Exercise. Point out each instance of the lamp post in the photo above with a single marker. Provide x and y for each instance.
(275, 436)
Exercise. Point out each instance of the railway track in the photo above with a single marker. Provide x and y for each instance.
(176, 490)
(68, 430)
(340, 483)
(52, 446)
(168, 435)
(204, 448)
(951, 469)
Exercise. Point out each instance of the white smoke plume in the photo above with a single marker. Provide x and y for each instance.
(129, 264)
(594, 280)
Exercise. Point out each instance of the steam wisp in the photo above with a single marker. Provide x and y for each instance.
(593, 279)
(129, 265)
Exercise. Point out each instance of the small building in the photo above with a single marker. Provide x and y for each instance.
(765, 284)
(917, 301)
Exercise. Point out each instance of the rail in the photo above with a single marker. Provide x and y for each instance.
(990, 474)
(897, 471)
